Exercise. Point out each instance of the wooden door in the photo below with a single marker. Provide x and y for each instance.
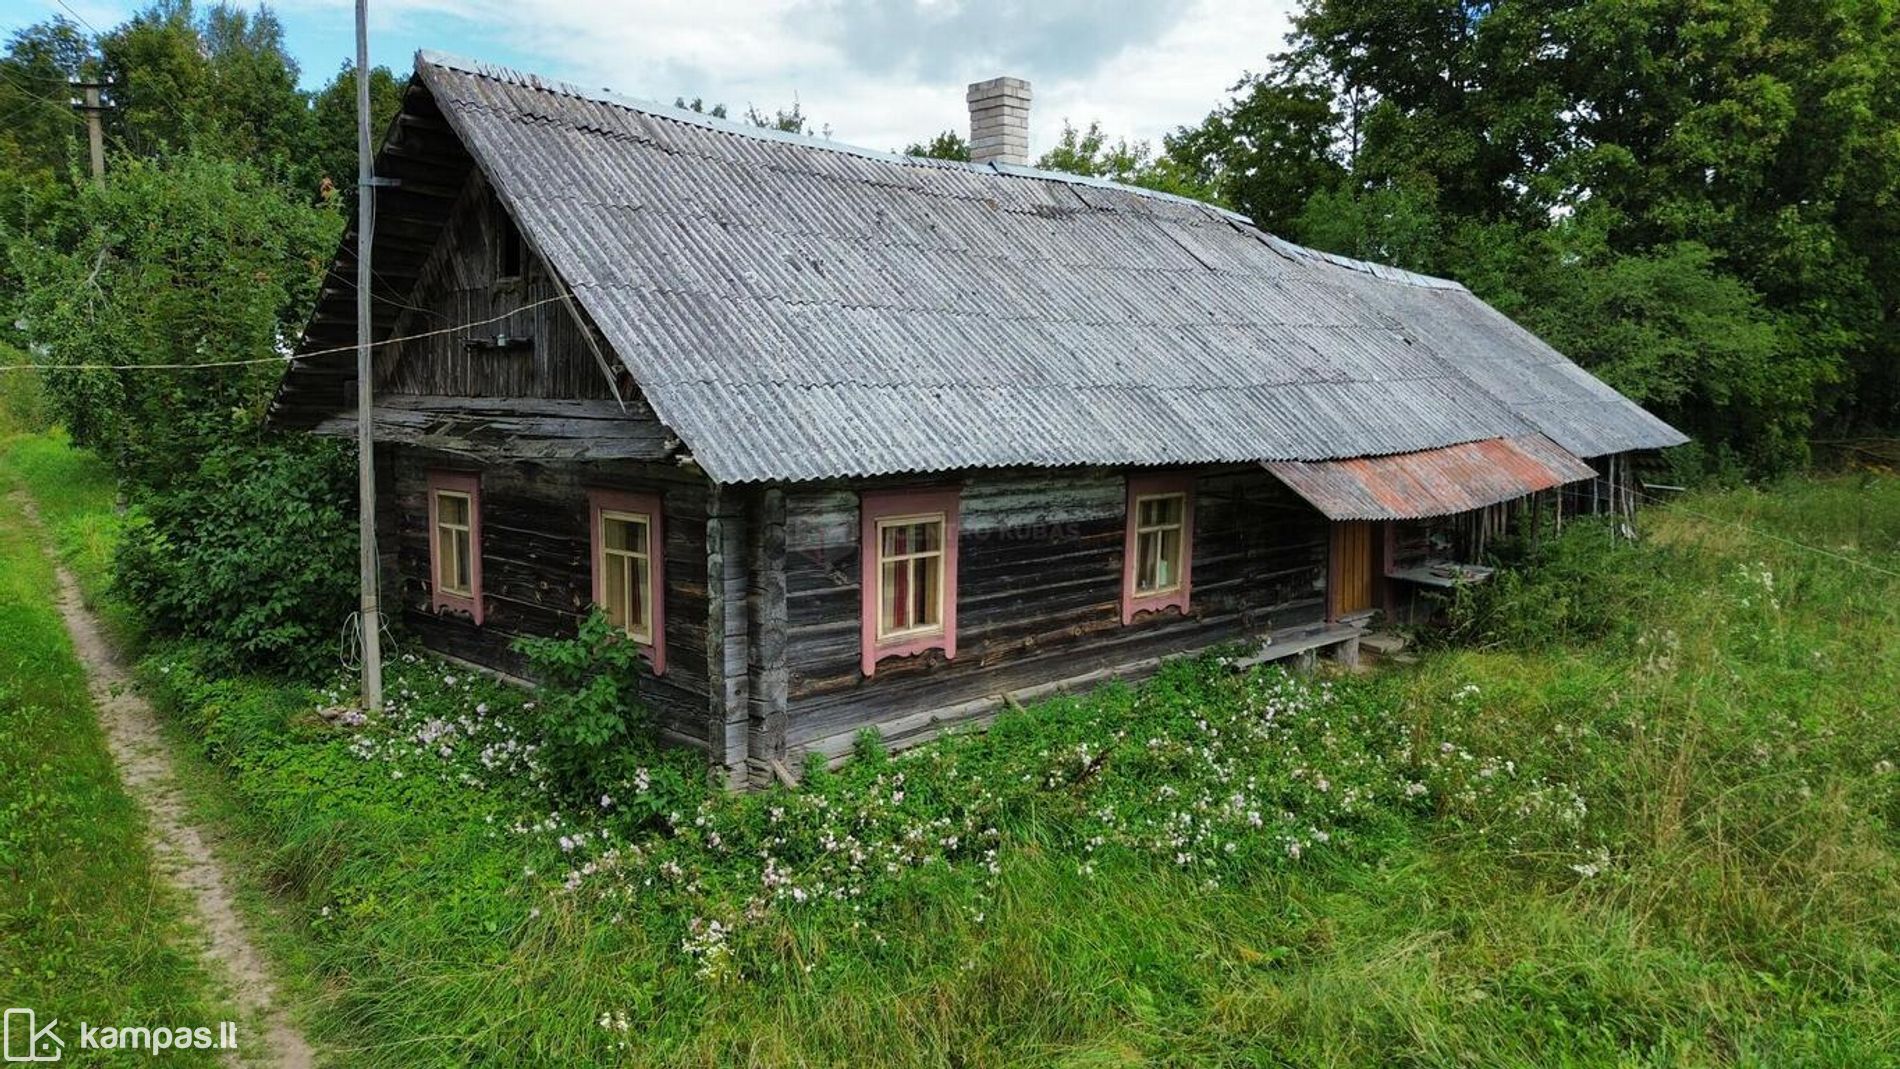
(1355, 564)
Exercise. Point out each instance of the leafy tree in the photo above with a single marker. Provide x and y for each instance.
(41, 132)
(1667, 326)
(1735, 154)
(182, 259)
(42, 142)
(792, 120)
(331, 161)
(1266, 151)
(221, 84)
(698, 105)
(948, 145)
(1090, 153)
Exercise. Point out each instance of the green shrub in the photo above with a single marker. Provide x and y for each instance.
(1580, 588)
(592, 723)
(185, 259)
(253, 549)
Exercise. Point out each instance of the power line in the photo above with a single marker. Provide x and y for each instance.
(281, 359)
(81, 18)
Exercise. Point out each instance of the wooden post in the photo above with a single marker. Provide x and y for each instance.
(370, 610)
(728, 662)
(771, 678)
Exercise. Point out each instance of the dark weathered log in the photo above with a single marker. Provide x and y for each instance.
(1040, 574)
(771, 678)
(728, 661)
(536, 569)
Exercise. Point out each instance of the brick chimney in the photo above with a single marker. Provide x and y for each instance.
(999, 121)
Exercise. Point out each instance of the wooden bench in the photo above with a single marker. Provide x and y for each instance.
(1341, 640)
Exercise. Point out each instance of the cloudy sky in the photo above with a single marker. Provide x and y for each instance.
(880, 73)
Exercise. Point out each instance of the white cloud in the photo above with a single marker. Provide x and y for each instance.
(880, 74)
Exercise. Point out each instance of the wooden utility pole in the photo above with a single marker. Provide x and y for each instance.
(370, 611)
(94, 108)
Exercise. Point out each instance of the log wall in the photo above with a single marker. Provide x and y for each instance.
(536, 576)
(1039, 593)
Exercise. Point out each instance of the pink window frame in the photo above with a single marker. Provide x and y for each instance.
(441, 600)
(599, 501)
(1140, 486)
(874, 506)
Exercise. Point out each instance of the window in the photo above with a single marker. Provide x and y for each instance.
(453, 514)
(509, 248)
(455, 543)
(1159, 545)
(629, 567)
(909, 574)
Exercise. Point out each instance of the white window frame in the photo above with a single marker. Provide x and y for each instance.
(650, 596)
(444, 549)
(1179, 526)
(941, 554)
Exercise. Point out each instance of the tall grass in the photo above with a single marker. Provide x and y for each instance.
(1642, 814)
(88, 929)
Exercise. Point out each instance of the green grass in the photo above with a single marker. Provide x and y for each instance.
(1644, 812)
(22, 398)
(88, 930)
(76, 497)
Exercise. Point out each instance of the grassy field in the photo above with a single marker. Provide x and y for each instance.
(88, 931)
(1642, 812)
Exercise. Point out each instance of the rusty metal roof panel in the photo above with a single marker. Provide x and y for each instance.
(1432, 482)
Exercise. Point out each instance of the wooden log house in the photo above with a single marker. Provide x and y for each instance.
(851, 440)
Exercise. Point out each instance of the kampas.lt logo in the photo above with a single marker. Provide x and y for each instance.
(26, 1041)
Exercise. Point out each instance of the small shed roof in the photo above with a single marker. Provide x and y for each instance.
(797, 309)
(1432, 482)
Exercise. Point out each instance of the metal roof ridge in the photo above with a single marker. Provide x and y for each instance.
(1383, 272)
(483, 69)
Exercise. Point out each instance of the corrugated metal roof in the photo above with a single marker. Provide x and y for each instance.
(1432, 482)
(797, 309)
(1565, 403)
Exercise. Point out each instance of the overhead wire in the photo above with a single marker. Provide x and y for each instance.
(81, 18)
(294, 358)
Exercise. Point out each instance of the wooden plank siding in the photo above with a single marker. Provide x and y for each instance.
(1039, 591)
(536, 575)
(459, 285)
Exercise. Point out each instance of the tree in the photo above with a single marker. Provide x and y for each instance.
(1667, 326)
(698, 106)
(790, 120)
(41, 130)
(1727, 167)
(222, 85)
(948, 145)
(331, 157)
(1266, 151)
(42, 142)
(182, 259)
(1090, 153)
